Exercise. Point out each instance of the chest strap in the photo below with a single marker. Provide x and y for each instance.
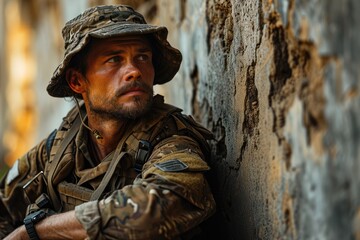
(107, 177)
(66, 141)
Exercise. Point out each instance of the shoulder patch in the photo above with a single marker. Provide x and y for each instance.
(13, 172)
(173, 165)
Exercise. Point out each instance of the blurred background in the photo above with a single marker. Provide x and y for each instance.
(31, 47)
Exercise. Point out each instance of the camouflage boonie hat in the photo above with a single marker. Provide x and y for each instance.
(113, 21)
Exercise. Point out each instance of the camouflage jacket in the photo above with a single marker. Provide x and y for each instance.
(159, 202)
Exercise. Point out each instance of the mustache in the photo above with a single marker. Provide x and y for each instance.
(134, 84)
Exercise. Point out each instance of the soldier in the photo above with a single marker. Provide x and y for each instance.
(123, 164)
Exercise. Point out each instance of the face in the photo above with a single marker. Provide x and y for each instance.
(119, 76)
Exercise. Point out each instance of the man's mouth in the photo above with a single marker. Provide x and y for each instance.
(134, 91)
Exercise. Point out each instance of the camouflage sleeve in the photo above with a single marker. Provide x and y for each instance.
(13, 202)
(170, 198)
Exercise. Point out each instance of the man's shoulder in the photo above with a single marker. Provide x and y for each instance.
(157, 114)
(159, 105)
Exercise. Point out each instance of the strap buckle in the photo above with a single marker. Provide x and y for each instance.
(142, 154)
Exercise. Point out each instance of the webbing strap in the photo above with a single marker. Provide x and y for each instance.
(66, 141)
(107, 177)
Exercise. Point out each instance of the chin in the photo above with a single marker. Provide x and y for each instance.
(136, 108)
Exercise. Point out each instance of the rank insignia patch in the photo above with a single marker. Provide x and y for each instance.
(173, 165)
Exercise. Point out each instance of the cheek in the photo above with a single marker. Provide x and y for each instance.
(100, 88)
(149, 72)
(106, 80)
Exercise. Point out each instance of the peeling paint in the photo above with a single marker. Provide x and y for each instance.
(220, 23)
(251, 108)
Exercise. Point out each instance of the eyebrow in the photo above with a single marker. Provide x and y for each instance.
(116, 52)
(112, 52)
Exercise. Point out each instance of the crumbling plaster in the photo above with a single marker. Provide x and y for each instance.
(277, 82)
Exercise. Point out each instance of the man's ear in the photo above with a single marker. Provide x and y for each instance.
(75, 80)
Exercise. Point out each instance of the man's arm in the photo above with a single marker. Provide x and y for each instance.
(160, 204)
(13, 201)
(5, 227)
(58, 226)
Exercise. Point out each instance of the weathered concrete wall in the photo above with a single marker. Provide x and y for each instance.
(277, 82)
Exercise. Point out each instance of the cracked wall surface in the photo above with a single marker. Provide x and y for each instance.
(277, 82)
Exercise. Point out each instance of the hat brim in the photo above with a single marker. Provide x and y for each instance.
(168, 59)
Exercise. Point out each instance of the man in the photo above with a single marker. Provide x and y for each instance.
(123, 165)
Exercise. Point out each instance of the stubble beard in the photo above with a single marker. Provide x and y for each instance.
(137, 107)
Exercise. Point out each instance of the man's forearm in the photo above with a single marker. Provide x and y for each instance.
(5, 228)
(59, 226)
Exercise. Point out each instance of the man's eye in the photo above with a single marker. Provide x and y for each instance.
(143, 57)
(114, 59)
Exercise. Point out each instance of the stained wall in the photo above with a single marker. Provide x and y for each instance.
(278, 84)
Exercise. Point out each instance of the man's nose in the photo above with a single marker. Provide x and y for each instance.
(132, 72)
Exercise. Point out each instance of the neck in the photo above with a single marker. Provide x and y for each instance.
(110, 131)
